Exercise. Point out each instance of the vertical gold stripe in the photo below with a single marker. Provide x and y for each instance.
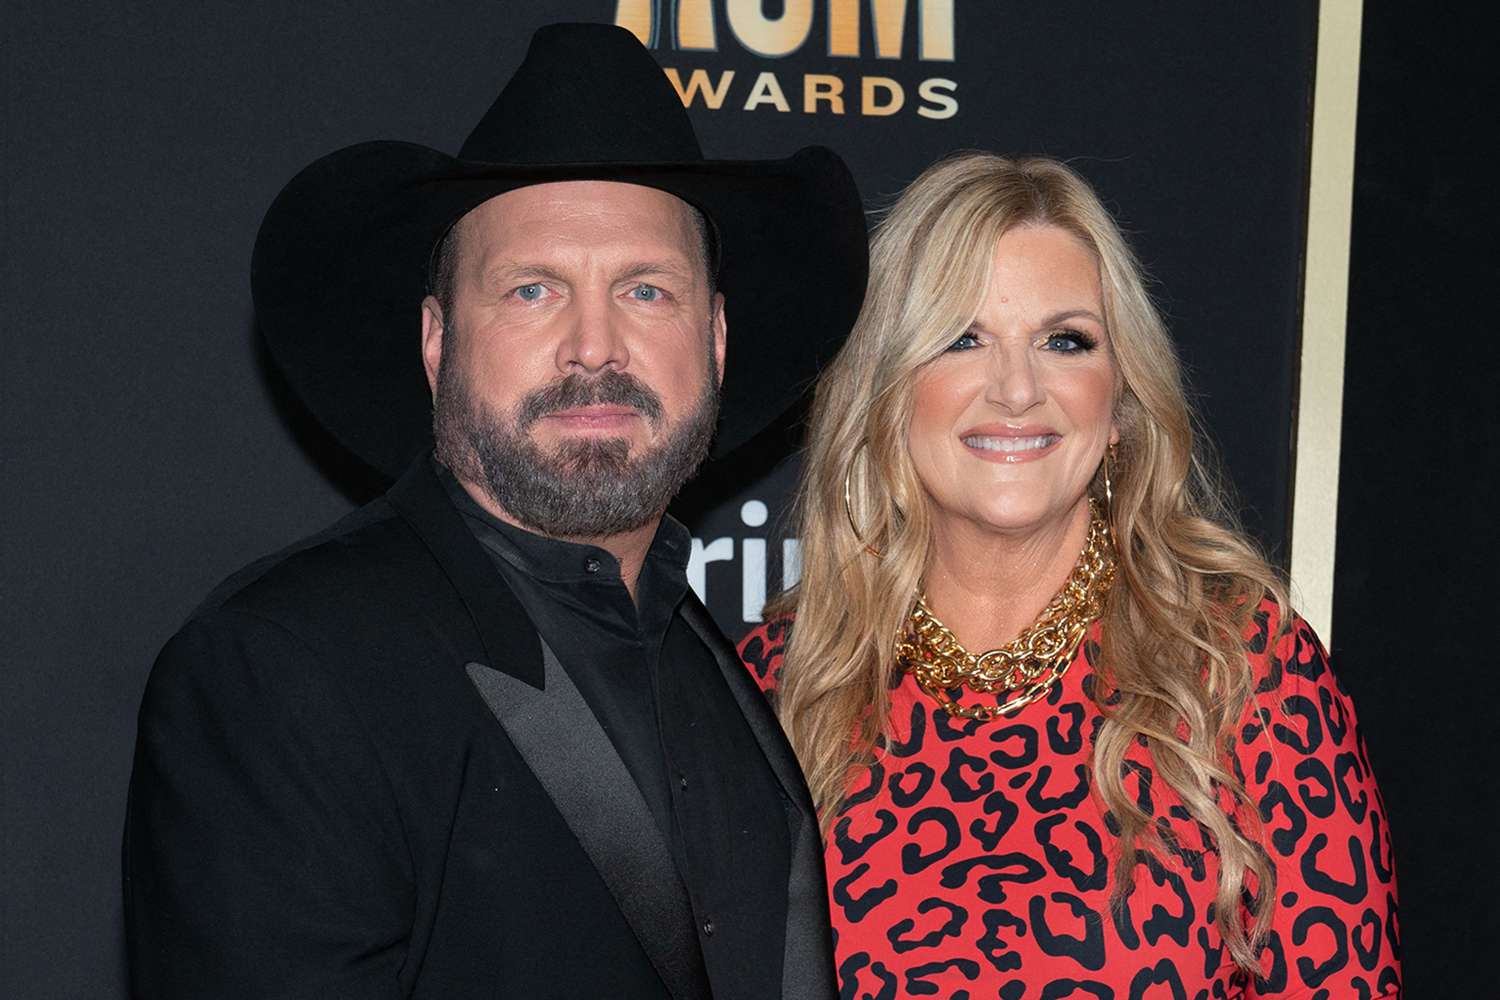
(1324, 306)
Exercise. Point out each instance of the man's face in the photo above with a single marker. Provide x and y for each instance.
(575, 375)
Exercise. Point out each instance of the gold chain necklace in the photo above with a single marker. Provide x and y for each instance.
(1025, 668)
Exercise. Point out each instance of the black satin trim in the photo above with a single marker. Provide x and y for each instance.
(572, 757)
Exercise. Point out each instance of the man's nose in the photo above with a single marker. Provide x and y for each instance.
(593, 340)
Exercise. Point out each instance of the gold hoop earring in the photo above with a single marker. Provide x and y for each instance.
(1109, 490)
(849, 508)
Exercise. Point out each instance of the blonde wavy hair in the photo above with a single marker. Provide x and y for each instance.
(1174, 660)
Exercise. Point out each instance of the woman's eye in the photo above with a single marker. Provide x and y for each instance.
(964, 343)
(1068, 341)
(646, 293)
(529, 293)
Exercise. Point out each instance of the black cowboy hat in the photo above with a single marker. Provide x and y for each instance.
(341, 263)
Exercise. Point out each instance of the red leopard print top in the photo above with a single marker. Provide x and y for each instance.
(971, 861)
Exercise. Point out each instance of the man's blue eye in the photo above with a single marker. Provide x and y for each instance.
(964, 343)
(646, 293)
(529, 293)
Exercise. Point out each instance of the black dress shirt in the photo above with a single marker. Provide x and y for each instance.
(610, 645)
(658, 693)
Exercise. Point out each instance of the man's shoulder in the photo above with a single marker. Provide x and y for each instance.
(356, 562)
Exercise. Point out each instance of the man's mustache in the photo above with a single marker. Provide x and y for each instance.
(612, 388)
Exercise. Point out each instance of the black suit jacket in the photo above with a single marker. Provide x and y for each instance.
(359, 773)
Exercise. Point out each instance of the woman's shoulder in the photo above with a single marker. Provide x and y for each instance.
(1299, 706)
(1284, 652)
(761, 651)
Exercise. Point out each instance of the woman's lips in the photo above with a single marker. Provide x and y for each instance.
(1010, 447)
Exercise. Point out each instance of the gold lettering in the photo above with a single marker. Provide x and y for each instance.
(767, 90)
(695, 26)
(639, 16)
(696, 30)
(934, 29)
(932, 90)
(773, 37)
(713, 96)
(890, 27)
(843, 27)
(822, 87)
(870, 102)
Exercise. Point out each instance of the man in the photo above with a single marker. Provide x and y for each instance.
(478, 738)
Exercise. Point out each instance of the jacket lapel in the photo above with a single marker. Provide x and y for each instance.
(807, 967)
(499, 620)
(551, 726)
(556, 733)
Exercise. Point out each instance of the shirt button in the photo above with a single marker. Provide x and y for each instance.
(682, 780)
(591, 565)
(708, 928)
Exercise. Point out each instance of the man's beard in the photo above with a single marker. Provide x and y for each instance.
(581, 488)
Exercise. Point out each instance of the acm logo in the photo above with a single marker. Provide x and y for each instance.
(699, 26)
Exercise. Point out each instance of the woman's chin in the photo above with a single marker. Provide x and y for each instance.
(1024, 516)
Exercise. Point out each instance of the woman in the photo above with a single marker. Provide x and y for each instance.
(1093, 752)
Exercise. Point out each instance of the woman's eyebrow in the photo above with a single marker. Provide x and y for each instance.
(1067, 314)
(1061, 316)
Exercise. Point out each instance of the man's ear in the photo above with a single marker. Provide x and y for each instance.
(432, 340)
(720, 327)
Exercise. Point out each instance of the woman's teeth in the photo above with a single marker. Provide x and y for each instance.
(1011, 443)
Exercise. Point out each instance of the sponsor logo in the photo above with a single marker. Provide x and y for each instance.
(901, 33)
(752, 559)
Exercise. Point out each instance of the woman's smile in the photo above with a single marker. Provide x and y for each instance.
(1007, 444)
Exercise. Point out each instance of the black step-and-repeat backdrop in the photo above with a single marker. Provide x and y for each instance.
(149, 449)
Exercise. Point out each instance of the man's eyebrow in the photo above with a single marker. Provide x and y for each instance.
(514, 269)
(641, 268)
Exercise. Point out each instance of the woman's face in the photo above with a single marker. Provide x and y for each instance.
(1010, 423)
